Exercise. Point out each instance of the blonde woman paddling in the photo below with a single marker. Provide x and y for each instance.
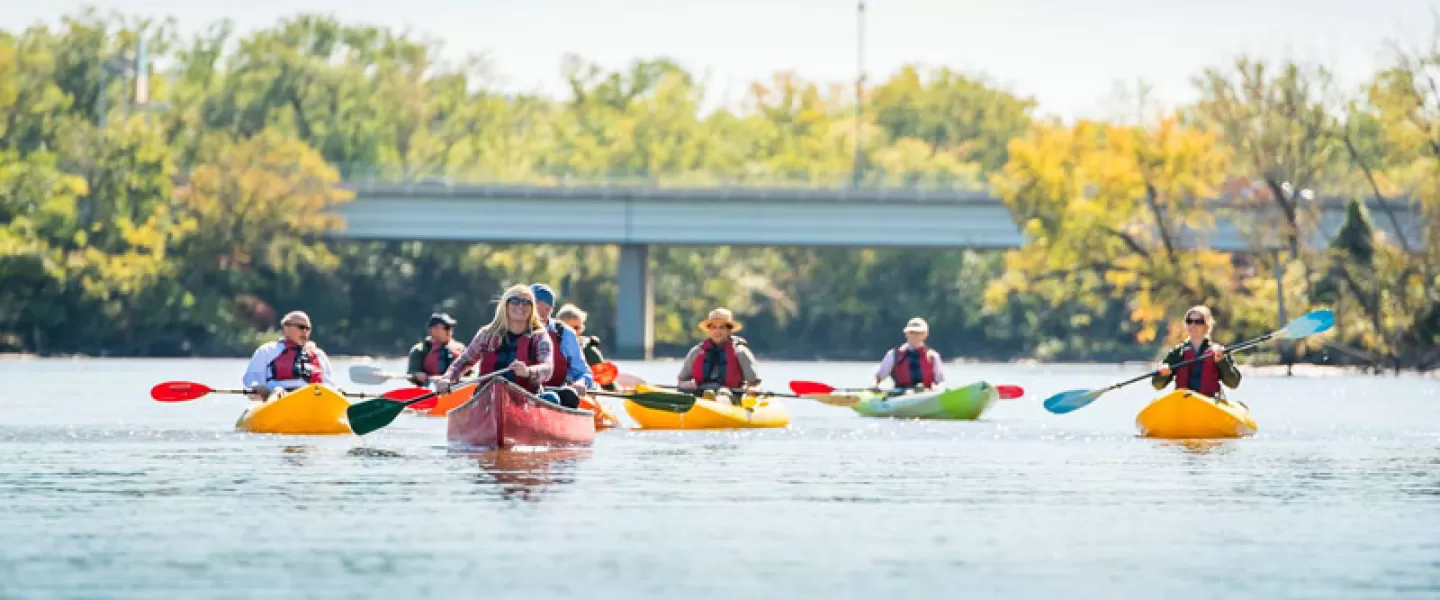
(514, 339)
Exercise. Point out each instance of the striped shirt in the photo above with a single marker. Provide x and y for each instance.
(484, 342)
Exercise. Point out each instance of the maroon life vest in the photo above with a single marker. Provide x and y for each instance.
(297, 362)
(1209, 373)
(912, 368)
(500, 355)
(562, 364)
(728, 363)
(440, 356)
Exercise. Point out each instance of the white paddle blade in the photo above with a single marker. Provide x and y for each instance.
(628, 381)
(367, 375)
(1308, 325)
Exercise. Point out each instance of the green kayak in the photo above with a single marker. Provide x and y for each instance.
(964, 403)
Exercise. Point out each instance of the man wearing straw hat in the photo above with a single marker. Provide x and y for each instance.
(723, 363)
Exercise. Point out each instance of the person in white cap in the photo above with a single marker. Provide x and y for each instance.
(291, 362)
(723, 363)
(912, 365)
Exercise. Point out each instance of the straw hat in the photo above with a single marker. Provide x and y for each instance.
(720, 316)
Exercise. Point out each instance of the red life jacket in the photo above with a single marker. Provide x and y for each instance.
(909, 364)
(710, 352)
(440, 356)
(297, 363)
(524, 352)
(1209, 373)
(562, 364)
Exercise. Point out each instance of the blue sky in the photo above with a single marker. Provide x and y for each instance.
(1068, 55)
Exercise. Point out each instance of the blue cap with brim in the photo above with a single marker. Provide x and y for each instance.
(543, 293)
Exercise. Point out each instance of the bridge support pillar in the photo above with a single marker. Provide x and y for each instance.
(634, 304)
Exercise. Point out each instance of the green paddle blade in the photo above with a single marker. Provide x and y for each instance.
(370, 415)
(1310, 324)
(676, 403)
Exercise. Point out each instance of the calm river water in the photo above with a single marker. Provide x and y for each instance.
(107, 494)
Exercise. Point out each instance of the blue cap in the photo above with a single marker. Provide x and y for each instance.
(543, 293)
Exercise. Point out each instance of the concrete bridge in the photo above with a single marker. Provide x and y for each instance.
(637, 218)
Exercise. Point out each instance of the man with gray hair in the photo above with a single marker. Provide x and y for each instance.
(289, 363)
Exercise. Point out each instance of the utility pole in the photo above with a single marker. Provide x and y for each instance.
(1287, 357)
(859, 86)
(122, 66)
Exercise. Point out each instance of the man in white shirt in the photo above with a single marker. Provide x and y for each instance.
(289, 363)
(912, 365)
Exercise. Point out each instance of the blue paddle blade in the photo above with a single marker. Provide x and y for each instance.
(1310, 324)
(1065, 402)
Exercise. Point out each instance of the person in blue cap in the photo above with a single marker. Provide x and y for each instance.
(571, 377)
(431, 356)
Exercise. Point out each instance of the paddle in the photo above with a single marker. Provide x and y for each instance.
(682, 401)
(184, 391)
(605, 372)
(372, 375)
(677, 402)
(413, 393)
(809, 389)
(1307, 325)
(366, 417)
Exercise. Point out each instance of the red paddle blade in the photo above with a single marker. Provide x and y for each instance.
(1010, 392)
(405, 394)
(801, 388)
(178, 391)
(605, 372)
(411, 393)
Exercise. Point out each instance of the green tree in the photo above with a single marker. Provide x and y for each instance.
(953, 113)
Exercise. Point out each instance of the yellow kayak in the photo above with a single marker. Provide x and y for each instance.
(1184, 414)
(711, 414)
(310, 410)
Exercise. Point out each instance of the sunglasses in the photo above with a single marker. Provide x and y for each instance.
(714, 327)
(518, 301)
(300, 326)
(1194, 321)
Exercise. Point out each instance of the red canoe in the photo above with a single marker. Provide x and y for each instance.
(503, 415)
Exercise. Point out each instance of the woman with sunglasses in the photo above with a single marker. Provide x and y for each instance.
(291, 362)
(515, 339)
(1206, 376)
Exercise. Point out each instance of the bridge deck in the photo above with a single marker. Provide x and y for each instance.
(725, 216)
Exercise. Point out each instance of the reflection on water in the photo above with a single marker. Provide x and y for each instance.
(1196, 447)
(297, 455)
(370, 452)
(525, 475)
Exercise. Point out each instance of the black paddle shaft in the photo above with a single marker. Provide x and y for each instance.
(1237, 348)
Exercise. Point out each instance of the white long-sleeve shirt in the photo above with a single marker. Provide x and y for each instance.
(257, 373)
(887, 364)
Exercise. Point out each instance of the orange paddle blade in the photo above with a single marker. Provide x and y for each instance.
(605, 372)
